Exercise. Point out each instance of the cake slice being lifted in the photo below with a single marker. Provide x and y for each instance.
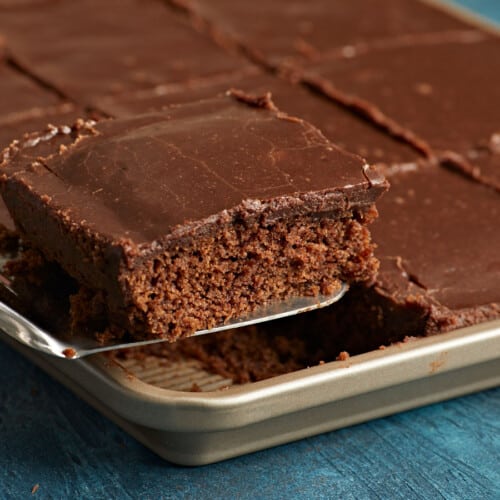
(176, 221)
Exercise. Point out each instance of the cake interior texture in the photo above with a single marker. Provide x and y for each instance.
(362, 321)
(231, 272)
(180, 220)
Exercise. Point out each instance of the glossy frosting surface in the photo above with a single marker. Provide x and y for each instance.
(434, 101)
(292, 30)
(140, 177)
(20, 96)
(129, 45)
(439, 231)
(338, 124)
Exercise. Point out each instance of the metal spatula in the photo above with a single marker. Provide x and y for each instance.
(18, 327)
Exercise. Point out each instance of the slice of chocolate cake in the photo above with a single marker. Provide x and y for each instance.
(438, 247)
(176, 221)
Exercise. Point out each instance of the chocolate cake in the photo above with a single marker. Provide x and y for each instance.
(291, 32)
(179, 220)
(430, 281)
(90, 48)
(338, 123)
(429, 104)
(244, 355)
(445, 260)
(374, 84)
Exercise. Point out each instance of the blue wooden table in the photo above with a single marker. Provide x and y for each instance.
(50, 438)
(52, 445)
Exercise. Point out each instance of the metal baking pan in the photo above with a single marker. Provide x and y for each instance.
(152, 400)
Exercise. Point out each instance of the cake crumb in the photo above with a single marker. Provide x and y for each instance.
(35, 488)
(343, 356)
(69, 353)
(195, 388)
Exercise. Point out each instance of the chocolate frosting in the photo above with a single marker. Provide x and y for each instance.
(437, 234)
(338, 124)
(90, 48)
(434, 105)
(21, 96)
(148, 176)
(290, 31)
(21, 4)
(38, 119)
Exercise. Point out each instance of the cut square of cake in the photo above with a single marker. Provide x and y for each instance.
(179, 220)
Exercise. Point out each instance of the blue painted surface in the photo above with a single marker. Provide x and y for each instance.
(489, 9)
(50, 438)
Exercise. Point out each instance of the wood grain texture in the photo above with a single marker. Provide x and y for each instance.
(49, 437)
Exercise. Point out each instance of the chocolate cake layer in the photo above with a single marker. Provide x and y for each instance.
(92, 48)
(183, 218)
(362, 321)
(245, 355)
(439, 272)
(447, 110)
(294, 31)
(339, 124)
